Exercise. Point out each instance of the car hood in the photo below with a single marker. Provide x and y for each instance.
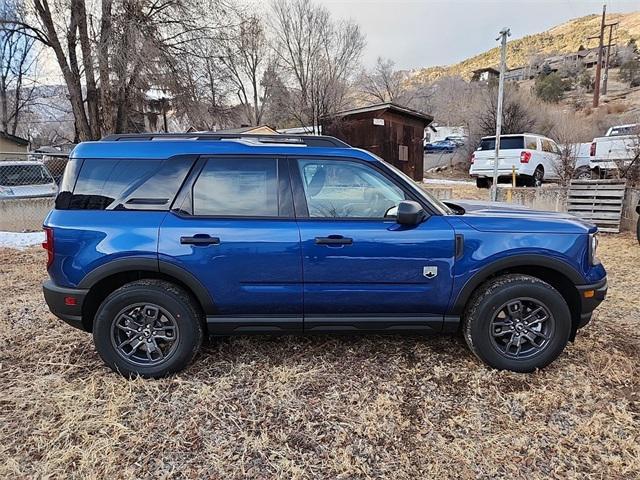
(509, 217)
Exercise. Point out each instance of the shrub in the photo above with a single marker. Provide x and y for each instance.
(550, 88)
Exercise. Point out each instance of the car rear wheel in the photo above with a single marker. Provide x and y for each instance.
(517, 322)
(583, 173)
(537, 177)
(150, 328)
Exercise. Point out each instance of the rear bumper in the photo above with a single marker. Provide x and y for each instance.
(59, 300)
(589, 304)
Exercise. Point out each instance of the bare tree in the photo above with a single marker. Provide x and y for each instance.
(245, 57)
(318, 55)
(383, 83)
(109, 56)
(17, 62)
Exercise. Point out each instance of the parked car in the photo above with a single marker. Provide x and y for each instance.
(22, 179)
(534, 157)
(617, 149)
(153, 244)
(582, 167)
(445, 146)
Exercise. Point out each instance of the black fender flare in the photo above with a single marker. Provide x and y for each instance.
(149, 264)
(525, 260)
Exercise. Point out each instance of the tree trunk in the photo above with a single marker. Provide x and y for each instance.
(103, 66)
(87, 62)
(71, 79)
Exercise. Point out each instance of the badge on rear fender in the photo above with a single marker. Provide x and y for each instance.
(430, 272)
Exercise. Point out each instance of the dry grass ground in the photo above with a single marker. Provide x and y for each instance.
(319, 407)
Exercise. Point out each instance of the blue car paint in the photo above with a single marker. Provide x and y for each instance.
(273, 266)
(88, 239)
(381, 272)
(256, 268)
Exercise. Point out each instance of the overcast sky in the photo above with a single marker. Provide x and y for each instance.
(422, 33)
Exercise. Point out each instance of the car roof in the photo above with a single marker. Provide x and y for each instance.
(165, 147)
(14, 163)
(537, 135)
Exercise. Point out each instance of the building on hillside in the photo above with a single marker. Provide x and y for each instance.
(485, 75)
(393, 132)
(13, 147)
(588, 57)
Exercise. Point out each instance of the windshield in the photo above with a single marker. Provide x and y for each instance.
(506, 143)
(624, 130)
(433, 201)
(19, 175)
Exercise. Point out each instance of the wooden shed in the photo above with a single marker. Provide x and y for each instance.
(393, 132)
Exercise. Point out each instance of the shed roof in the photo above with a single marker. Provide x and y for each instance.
(15, 139)
(393, 107)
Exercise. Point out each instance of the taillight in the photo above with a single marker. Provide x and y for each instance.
(525, 157)
(592, 150)
(48, 244)
(473, 158)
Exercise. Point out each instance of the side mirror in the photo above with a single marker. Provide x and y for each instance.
(410, 213)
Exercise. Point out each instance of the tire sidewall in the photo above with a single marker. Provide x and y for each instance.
(480, 328)
(189, 337)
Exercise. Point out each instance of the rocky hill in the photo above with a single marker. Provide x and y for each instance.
(567, 37)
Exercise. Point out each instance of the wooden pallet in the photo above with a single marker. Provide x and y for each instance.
(597, 201)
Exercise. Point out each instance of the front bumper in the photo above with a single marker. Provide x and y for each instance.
(590, 301)
(65, 303)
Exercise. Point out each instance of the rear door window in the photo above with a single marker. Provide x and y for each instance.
(506, 143)
(237, 187)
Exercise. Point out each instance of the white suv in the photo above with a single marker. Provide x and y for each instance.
(534, 157)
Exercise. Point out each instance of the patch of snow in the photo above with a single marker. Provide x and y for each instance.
(20, 240)
(444, 181)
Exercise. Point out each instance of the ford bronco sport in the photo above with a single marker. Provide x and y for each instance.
(157, 240)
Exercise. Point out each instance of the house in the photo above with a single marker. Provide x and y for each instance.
(485, 75)
(13, 147)
(393, 132)
(256, 130)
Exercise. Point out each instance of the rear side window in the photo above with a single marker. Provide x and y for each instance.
(531, 143)
(127, 184)
(237, 187)
(506, 143)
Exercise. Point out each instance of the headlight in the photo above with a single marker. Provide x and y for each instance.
(593, 248)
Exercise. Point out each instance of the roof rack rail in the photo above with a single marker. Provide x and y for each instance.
(308, 140)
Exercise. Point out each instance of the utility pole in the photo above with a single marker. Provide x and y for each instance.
(596, 87)
(606, 63)
(504, 33)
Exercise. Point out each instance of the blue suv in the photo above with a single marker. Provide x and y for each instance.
(157, 240)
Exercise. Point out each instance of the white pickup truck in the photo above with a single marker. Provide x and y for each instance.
(616, 150)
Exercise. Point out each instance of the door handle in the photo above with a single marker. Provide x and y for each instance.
(334, 240)
(200, 239)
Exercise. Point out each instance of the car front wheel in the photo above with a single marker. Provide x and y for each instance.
(517, 322)
(150, 328)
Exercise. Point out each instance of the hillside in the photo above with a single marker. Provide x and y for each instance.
(567, 37)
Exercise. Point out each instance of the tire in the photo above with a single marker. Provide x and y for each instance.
(538, 176)
(583, 173)
(483, 182)
(638, 230)
(125, 318)
(484, 319)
